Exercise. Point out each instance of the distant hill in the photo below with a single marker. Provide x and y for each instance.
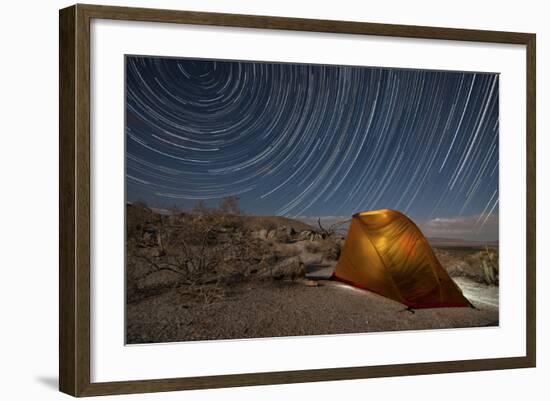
(253, 223)
(457, 242)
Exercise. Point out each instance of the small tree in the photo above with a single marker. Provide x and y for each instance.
(200, 208)
(332, 229)
(230, 205)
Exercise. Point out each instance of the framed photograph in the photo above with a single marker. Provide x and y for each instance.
(307, 198)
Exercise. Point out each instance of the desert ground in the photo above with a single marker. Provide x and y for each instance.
(212, 274)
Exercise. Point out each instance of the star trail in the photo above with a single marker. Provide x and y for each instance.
(312, 140)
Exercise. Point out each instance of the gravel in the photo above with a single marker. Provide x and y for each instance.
(290, 308)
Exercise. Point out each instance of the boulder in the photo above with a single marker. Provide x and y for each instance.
(330, 250)
(290, 268)
(304, 235)
(261, 234)
(308, 235)
(149, 237)
(280, 235)
(157, 281)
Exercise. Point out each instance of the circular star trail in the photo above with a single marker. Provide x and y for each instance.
(311, 140)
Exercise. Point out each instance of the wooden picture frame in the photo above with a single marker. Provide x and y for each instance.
(74, 203)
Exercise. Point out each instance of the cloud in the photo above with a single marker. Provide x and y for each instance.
(476, 227)
(471, 228)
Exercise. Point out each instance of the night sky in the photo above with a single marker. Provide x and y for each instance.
(315, 140)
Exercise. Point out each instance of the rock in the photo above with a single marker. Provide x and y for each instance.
(290, 268)
(148, 238)
(308, 235)
(289, 231)
(157, 252)
(458, 268)
(269, 259)
(316, 237)
(283, 235)
(330, 250)
(159, 280)
(223, 237)
(280, 234)
(308, 258)
(261, 234)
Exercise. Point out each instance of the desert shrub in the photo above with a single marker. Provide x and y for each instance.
(489, 264)
(485, 263)
(205, 246)
(230, 205)
(330, 249)
(268, 226)
(312, 246)
(200, 208)
(334, 229)
(480, 266)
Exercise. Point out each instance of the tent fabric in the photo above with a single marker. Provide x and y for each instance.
(385, 252)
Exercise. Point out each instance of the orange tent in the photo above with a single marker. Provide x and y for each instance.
(385, 252)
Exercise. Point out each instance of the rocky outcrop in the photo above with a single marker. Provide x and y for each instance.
(290, 268)
(158, 281)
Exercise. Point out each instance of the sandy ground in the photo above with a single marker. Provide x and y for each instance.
(286, 308)
(482, 296)
(167, 303)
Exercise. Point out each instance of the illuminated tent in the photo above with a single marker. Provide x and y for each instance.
(385, 252)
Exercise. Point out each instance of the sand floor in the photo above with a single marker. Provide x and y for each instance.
(286, 308)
